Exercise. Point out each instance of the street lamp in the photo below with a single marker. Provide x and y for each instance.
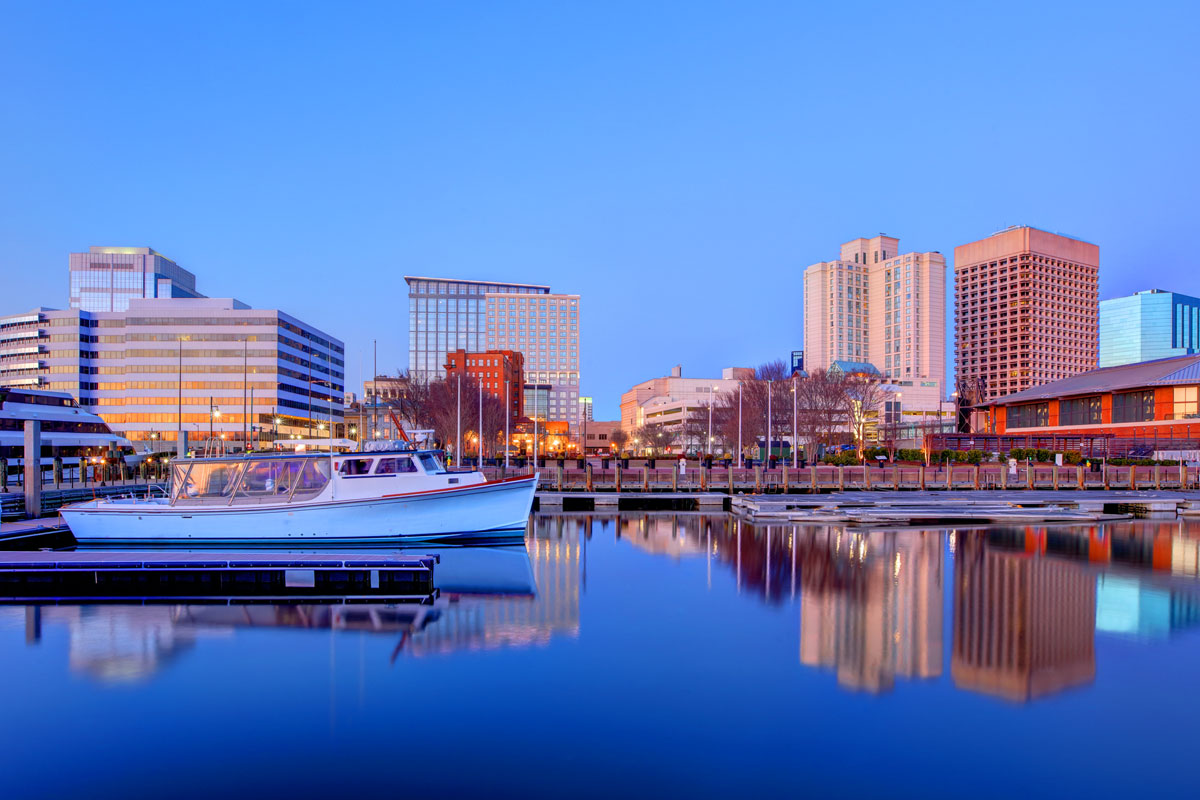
(710, 405)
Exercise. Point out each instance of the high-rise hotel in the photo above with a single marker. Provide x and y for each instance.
(1026, 310)
(877, 305)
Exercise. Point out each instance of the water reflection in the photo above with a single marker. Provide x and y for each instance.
(1021, 606)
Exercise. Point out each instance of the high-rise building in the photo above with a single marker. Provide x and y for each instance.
(877, 305)
(191, 364)
(107, 278)
(500, 371)
(545, 328)
(445, 315)
(1148, 325)
(1026, 310)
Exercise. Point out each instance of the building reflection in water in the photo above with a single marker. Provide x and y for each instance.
(1024, 624)
(871, 605)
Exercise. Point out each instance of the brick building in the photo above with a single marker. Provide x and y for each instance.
(493, 368)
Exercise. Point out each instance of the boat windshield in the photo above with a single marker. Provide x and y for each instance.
(267, 480)
(431, 463)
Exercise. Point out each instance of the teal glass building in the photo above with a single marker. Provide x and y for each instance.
(1148, 325)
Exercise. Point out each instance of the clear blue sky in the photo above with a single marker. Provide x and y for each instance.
(676, 164)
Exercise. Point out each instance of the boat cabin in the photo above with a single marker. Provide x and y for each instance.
(286, 478)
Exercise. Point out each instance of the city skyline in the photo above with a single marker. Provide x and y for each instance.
(608, 177)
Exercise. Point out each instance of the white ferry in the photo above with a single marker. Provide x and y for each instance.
(68, 431)
(348, 498)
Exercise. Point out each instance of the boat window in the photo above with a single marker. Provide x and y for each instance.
(392, 466)
(312, 479)
(430, 462)
(355, 466)
(210, 480)
(271, 478)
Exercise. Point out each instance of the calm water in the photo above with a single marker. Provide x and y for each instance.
(678, 655)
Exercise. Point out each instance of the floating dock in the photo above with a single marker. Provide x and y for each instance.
(263, 577)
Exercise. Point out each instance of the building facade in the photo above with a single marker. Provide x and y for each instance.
(545, 328)
(668, 401)
(445, 315)
(207, 366)
(1026, 311)
(107, 278)
(1148, 325)
(878, 305)
(500, 371)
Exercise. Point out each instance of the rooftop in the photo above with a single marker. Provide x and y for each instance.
(411, 278)
(1177, 370)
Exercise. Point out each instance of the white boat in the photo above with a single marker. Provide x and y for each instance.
(349, 498)
(70, 432)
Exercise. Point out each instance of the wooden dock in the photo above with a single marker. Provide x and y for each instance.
(632, 501)
(111, 575)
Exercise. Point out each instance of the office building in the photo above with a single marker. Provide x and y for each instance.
(545, 328)
(107, 278)
(585, 409)
(1026, 311)
(445, 315)
(500, 371)
(875, 304)
(201, 365)
(1148, 325)
(668, 401)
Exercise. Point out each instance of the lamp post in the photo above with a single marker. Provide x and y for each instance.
(739, 452)
(770, 386)
(711, 389)
(795, 427)
(458, 433)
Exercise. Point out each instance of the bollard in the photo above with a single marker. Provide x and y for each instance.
(921, 476)
(1079, 469)
(813, 475)
(1054, 477)
(1157, 476)
(1104, 474)
(895, 477)
(3, 474)
(1133, 477)
(1182, 476)
(704, 478)
(785, 478)
(949, 475)
(1029, 476)
(976, 477)
(841, 479)
(757, 479)
(866, 477)
(587, 472)
(1004, 477)
(58, 473)
(674, 477)
(618, 476)
(558, 472)
(645, 479)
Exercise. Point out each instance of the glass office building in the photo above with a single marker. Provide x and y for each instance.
(545, 328)
(445, 315)
(1148, 325)
(107, 278)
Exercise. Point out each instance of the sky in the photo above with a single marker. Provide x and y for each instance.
(675, 164)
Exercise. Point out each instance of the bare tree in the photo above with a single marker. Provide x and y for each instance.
(618, 437)
(821, 409)
(653, 440)
(863, 398)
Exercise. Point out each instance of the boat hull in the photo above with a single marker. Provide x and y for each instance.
(484, 511)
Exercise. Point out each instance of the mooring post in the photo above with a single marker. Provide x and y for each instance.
(1029, 476)
(812, 471)
(3, 474)
(1054, 477)
(867, 476)
(841, 478)
(757, 479)
(33, 468)
(58, 475)
(1133, 477)
(617, 478)
(1079, 469)
(703, 478)
(674, 477)
(646, 478)
(1157, 476)
(895, 477)
(1104, 473)
(587, 477)
(1004, 476)
(785, 478)
(558, 474)
(921, 475)
(949, 475)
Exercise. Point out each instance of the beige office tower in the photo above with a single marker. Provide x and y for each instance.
(1027, 309)
(886, 308)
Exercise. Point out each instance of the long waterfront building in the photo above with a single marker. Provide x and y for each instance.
(876, 305)
(196, 364)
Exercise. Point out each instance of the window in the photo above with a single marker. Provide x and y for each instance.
(1133, 406)
(430, 462)
(392, 466)
(355, 466)
(1079, 411)
(1187, 402)
(1030, 415)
